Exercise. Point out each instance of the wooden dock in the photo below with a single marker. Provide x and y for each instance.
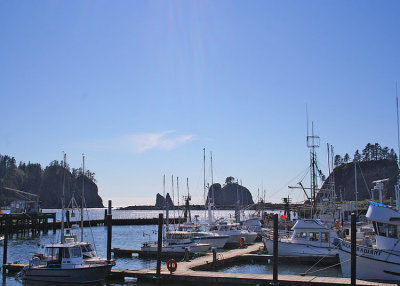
(188, 271)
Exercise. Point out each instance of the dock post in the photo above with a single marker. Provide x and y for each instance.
(214, 252)
(353, 249)
(275, 252)
(159, 244)
(109, 231)
(5, 243)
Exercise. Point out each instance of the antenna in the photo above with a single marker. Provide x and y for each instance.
(83, 193)
(177, 188)
(398, 136)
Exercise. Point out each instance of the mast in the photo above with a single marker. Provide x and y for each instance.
(83, 193)
(177, 189)
(212, 181)
(204, 177)
(173, 197)
(62, 199)
(166, 207)
(355, 186)
(312, 143)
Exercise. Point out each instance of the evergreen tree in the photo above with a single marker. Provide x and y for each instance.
(357, 156)
(346, 158)
(338, 160)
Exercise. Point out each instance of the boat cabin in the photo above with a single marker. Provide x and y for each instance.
(179, 237)
(63, 255)
(312, 230)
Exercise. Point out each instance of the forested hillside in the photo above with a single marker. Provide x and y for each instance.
(47, 182)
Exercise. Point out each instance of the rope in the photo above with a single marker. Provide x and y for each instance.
(320, 259)
(334, 265)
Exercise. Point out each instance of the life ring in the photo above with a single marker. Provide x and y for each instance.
(241, 242)
(172, 265)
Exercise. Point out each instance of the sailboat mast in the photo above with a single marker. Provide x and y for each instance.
(204, 176)
(62, 200)
(83, 193)
(212, 180)
(177, 189)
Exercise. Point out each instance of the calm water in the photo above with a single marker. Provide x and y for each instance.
(284, 269)
(130, 237)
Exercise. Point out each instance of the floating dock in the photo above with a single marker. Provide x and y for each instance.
(190, 271)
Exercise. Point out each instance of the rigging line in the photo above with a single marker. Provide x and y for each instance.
(365, 182)
(284, 186)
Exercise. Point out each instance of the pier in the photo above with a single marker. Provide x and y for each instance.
(22, 223)
(203, 270)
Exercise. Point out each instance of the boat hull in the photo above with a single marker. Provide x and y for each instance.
(199, 248)
(93, 273)
(297, 249)
(371, 264)
(213, 241)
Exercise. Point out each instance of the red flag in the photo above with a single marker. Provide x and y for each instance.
(283, 216)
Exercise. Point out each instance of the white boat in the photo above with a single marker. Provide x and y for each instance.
(310, 237)
(65, 263)
(382, 261)
(177, 242)
(69, 261)
(234, 232)
(204, 237)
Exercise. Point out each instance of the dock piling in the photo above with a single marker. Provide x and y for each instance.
(109, 231)
(275, 252)
(353, 249)
(5, 245)
(159, 244)
(214, 252)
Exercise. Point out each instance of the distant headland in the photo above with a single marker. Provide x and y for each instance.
(47, 183)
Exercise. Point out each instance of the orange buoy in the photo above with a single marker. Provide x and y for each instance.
(172, 265)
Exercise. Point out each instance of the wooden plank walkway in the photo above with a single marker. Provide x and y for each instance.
(186, 272)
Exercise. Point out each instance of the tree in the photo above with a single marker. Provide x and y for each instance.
(385, 152)
(392, 155)
(357, 156)
(338, 160)
(367, 152)
(229, 180)
(346, 158)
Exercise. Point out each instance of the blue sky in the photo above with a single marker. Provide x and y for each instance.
(141, 87)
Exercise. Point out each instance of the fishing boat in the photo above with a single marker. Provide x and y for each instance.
(381, 261)
(69, 261)
(234, 231)
(310, 237)
(177, 242)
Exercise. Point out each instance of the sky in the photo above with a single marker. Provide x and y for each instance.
(141, 87)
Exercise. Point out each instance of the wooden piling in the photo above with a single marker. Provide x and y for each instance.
(353, 256)
(5, 242)
(159, 244)
(275, 251)
(109, 231)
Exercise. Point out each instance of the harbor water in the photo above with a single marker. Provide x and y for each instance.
(21, 248)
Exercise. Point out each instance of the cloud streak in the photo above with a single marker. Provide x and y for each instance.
(143, 142)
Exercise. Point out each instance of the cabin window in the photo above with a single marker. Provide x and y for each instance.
(375, 227)
(314, 236)
(52, 253)
(65, 253)
(75, 252)
(325, 236)
(392, 230)
(301, 235)
(381, 228)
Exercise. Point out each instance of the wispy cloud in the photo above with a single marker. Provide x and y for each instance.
(142, 142)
